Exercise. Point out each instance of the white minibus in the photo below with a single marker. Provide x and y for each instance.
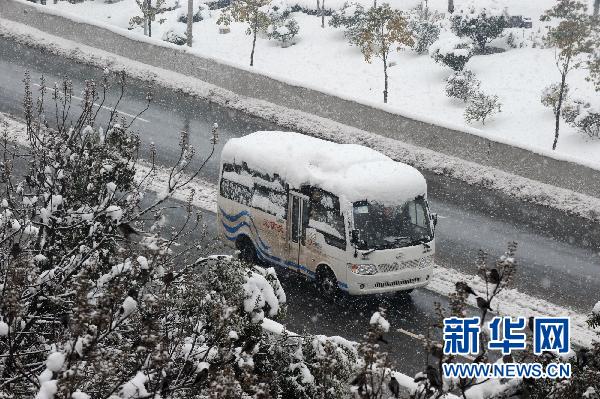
(344, 215)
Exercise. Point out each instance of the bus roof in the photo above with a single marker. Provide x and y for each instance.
(350, 171)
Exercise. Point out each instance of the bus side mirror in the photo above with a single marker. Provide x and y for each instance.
(434, 219)
(354, 236)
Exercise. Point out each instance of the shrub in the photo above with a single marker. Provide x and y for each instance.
(100, 294)
(284, 32)
(282, 27)
(462, 85)
(480, 24)
(174, 36)
(481, 106)
(351, 17)
(583, 116)
(452, 51)
(201, 14)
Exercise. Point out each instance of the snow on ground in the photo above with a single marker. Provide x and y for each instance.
(512, 185)
(322, 59)
(510, 302)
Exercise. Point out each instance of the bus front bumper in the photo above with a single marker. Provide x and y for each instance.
(388, 282)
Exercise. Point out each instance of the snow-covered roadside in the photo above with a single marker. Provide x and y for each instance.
(322, 60)
(518, 187)
(509, 303)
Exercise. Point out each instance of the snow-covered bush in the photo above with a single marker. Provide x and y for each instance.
(374, 372)
(100, 295)
(285, 32)
(424, 25)
(282, 27)
(202, 13)
(175, 35)
(462, 85)
(351, 17)
(481, 24)
(524, 38)
(452, 51)
(481, 106)
(584, 116)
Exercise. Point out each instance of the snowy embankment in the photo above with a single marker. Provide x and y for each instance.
(509, 303)
(515, 186)
(322, 59)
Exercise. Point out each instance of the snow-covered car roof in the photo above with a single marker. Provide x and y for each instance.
(350, 171)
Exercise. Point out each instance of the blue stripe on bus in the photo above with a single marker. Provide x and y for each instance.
(251, 226)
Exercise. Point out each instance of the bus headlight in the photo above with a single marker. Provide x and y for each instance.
(363, 269)
(425, 262)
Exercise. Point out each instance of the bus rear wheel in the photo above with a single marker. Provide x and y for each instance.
(247, 250)
(327, 283)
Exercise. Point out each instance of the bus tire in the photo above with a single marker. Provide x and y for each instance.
(247, 250)
(327, 283)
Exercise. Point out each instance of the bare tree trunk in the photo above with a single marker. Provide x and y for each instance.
(146, 18)
(596, 8)
(149, 27)
(190, 22)
(323, 14)
(561, 95)
(385, 76)
(254, 38)
(450, 6)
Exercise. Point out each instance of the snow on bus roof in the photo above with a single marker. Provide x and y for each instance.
(347, 170)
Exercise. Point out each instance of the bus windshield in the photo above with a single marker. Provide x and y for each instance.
(386, 227)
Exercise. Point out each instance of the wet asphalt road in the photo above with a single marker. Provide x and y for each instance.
(559, 256)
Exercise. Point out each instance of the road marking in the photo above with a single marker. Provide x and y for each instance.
(139, 118)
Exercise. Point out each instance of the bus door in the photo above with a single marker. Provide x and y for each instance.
(297, 220)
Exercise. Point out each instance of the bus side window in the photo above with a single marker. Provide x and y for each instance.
(269, 201)
(236, 192)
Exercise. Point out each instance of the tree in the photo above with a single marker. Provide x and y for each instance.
(150, 9)
(481, 106)
(383, 28)
(190, 22)
(249, 12)
(480, 24)
(425, 28)
(571, 37)
(450, 6)
(462, 85)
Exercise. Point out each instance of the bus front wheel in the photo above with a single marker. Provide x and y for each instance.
(247, 250)
(327, 283)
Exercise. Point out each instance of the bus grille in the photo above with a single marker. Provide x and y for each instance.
(382, 284)
(392, 267)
